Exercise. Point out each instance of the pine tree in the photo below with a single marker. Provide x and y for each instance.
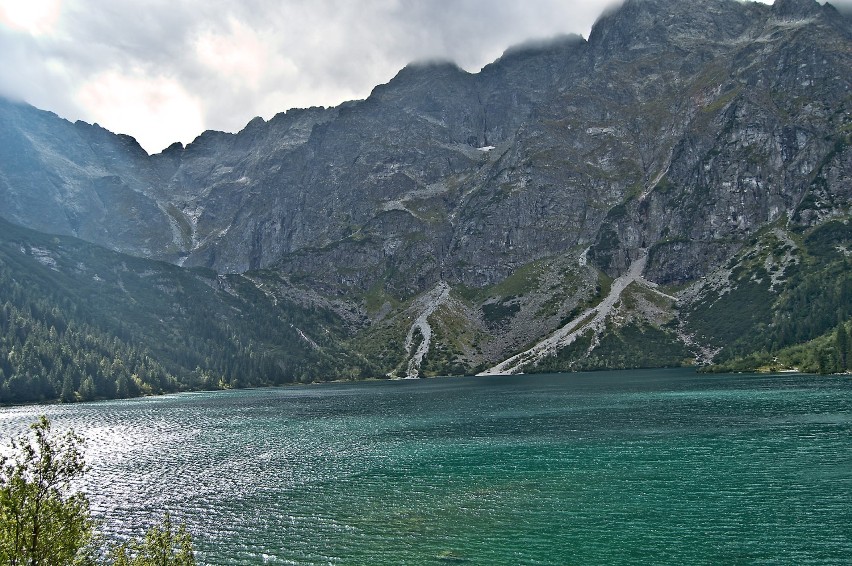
(67, 395)
(122, 387)
(87, 389)
(842, 344)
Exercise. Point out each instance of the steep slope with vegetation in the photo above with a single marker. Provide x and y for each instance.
(81, 322)
(781, 303)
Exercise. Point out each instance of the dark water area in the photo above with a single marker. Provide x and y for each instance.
(652, 466)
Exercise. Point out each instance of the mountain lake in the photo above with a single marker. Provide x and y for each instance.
(650, 466)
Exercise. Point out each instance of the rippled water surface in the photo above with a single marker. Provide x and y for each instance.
(621, 467)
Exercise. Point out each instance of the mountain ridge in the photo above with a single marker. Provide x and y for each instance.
(677, 133)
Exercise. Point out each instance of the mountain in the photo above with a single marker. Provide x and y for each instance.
(575, 204)
(73, 312)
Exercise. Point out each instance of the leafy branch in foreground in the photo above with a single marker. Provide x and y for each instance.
(44, 521)
(162, 546)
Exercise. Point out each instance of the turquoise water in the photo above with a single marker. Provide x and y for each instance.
(656, 466)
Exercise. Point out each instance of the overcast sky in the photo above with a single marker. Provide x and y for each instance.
(165, 70)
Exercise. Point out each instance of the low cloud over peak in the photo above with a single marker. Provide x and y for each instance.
(164, 70)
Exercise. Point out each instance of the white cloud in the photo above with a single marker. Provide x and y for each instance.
(241, 56)
(35, 17)
(157, 110)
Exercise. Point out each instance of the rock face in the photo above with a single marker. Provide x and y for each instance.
(678, 129)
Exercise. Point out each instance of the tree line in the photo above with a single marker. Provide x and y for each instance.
(827, 354)
(44, 357)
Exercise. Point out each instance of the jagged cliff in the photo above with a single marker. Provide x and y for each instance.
(674, 136)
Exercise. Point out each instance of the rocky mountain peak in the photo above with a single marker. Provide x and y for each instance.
(543, 47)
(640, 25)
(427, 70)
(796, 8)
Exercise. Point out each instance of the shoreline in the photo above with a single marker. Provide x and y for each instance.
(697, 371)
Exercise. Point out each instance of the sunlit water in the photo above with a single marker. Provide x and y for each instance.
(619, 467)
